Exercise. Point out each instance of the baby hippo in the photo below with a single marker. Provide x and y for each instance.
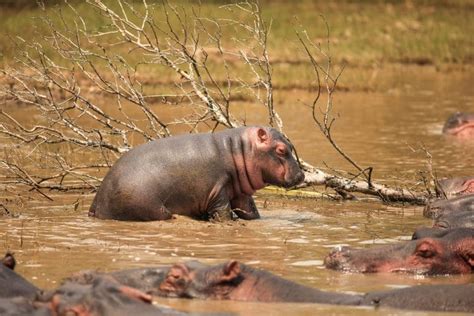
(205, 176)
(441, 252)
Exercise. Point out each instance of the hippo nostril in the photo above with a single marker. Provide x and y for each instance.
(441, 224)
(301, 177)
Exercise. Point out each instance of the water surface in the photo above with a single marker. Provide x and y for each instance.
(51, 240)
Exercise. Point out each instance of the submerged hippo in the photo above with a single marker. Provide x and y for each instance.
(455, 220)
(17, 306)
(443, 252)
(204, 176)
(147, 280)
(452, 187)
(236, 281)
(460, 124)
(439, 297)
(103, 297)
(438, 208)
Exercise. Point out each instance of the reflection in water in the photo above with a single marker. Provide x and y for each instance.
(52, 240)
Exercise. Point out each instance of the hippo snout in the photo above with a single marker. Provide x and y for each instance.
(338, 258)
(295, 180)
(299, 177)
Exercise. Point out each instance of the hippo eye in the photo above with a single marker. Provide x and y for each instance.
(426, 253)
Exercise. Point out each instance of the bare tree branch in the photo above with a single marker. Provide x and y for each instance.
(88, 97)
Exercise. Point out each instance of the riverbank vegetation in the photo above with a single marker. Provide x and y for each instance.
(362, 32)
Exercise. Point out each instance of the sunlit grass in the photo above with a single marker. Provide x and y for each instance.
(362, 33)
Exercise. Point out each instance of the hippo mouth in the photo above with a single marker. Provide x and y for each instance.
(415, 271)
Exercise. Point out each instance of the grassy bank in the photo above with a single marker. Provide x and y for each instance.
(362, 32)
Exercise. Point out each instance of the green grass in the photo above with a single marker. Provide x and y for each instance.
(361, 32)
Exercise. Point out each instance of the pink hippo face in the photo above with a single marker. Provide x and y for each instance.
(460, 125)
(274, 159)
(451, 253)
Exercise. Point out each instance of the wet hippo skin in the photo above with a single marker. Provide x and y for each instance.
(236, 281)
(452, 187)
(455, 220)
(441, 297)
(433, 252)
(104, 296)
(460, 124)
(19, 306)
(13, 284)
(204, 176)
(461, 203)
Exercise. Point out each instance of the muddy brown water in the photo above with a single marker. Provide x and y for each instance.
(51, 240)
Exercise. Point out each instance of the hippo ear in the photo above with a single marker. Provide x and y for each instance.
(468, 186)
(9, 261)
(262, 136)
(231, 270)
(176, 280)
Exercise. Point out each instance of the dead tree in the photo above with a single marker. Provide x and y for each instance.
(65, 79)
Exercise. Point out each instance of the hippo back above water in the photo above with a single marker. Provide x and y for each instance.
(204, 176)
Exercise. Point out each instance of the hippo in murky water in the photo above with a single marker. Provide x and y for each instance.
(446, 252)
(204, 176)
(452, 187)
(236, 281)
(13, 284)
(460, 124)
(440, 297)
(455, 220)
(103, 297)
(463, 203)
(147, 280)
(19, 306)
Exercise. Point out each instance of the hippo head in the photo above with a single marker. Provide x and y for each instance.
(454, 220)
(452, 187)
(274, 158)
(452, 253)
(441, 207)
(103, 297)
(214, 282)
(460, 124)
